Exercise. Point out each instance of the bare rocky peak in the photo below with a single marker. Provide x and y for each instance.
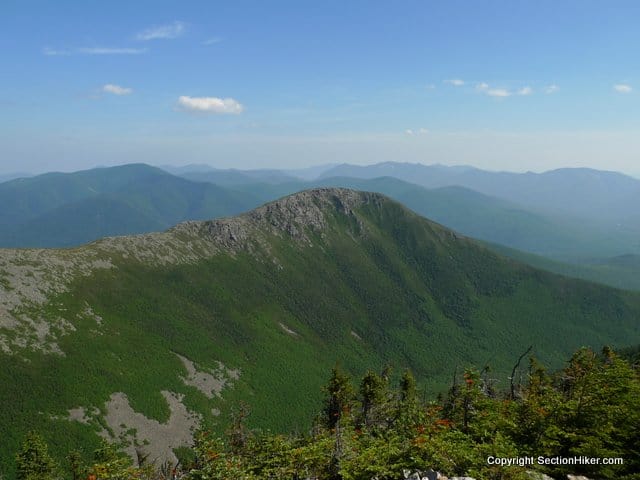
(290, 215)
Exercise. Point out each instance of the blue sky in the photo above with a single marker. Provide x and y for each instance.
(503, 85)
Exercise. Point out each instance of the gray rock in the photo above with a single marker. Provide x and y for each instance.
(538, 475)
(424, 475)
(430, 475)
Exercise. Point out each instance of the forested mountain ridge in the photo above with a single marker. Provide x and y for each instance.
(68, 209)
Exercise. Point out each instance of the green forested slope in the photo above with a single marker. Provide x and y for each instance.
(280, 294)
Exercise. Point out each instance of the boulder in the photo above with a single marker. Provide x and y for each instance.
(423, 475)
(429, 475)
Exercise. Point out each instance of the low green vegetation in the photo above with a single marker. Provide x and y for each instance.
(590, 408)
(375, 429)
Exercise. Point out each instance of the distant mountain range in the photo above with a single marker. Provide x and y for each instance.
(66, 209)
(595, 195)
(5, 177)
(515, 211)
(143, 338)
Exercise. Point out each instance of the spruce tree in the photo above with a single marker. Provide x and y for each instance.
(338, 399)
(372, 394)
(408, 388)
(33, 461)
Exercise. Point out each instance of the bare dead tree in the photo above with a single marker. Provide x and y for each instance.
(513, 373)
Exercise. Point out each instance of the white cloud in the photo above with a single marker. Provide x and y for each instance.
(408, 131)
(423, 131)
(456, 82)
(551, 89)
(212, 41)
(210, 105)
(622, 88)
(173, 30)
(116, 89)
(498, 92)
(485, 89)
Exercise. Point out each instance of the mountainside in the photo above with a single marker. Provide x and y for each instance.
(620, 272)
(492, 219)
(145, 337)
(479, 216)
(61, 210)
(23, 199)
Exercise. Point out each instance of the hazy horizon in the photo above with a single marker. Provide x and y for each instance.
(164, 166)
(515, 87)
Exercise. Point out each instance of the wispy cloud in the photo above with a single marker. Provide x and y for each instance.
(419, 131)
(551, 89)
(456, 82)
(212, 41)
(485, 89)
(172, 30)
(116, 89)
(498, 92)
(210, 105)
(53, 52)
(622, 88)
(93, 51)
(111, 51)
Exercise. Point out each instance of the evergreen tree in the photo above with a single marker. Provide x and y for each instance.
(75, 464)
(407, 414)
(408, 388)
(33, 461)
(339, 397)
(112, 464)
(372, 396)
